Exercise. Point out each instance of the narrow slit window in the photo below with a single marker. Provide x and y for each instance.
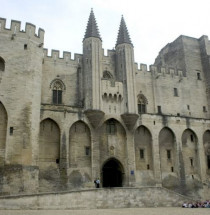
(172, 169)
(87, 150)
(11, 130)
(159, 109)
(208, 161)
(169, 154)
(148, 167)
(141, 153)
(192, 138)
(191, 162)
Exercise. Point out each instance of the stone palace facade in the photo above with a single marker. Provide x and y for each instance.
(65, 122)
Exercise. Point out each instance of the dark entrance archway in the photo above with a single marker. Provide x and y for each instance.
(112, 173)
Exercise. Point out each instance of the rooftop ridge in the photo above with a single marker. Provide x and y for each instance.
(92, 28)
(123, 35)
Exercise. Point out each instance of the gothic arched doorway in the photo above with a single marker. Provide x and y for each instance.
(112, 173)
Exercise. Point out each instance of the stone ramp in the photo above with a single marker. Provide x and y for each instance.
(96, 198)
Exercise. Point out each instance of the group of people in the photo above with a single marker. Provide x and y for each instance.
(97, 183)
(205, 204)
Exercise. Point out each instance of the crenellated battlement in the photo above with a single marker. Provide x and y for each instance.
(166, 71)
(65, 58)
(157, 70)
(15, 30)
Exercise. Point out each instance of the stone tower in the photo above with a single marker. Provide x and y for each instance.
(125, 67)
(92, 54)
(21, 83)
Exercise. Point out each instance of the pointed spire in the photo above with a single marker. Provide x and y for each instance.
(92, 28)
(123, 35)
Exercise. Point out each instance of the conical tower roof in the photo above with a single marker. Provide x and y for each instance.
(92, 28)
(123, 35)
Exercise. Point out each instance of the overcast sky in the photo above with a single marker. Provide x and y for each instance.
(151, 23)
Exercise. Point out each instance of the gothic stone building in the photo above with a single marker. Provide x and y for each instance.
(65, 122)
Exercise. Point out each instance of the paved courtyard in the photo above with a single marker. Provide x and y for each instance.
(122, 211)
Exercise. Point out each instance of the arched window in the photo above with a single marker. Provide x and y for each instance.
(57, 92)
(2, 64)
(111, 127)
(142, 102)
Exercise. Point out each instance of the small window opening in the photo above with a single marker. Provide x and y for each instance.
(169, 154)
(188, 107)
(204, 109)
(141, 153)
(175, 92)
(111, 127)
(191, 138)
(2, 64)
(198, 75)
(148, 167)
(192, 176)
(154, 122)
(87, 150)
(57, 160)
(191, 162)
(159, 109)
(11, 130)
(25, 46)
(86, 60)
(141, 108)
(208, 161)
(178, 114)
(172, 169)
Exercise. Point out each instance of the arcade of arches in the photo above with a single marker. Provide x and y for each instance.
(112, 155)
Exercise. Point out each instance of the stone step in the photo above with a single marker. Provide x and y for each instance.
(96, 198)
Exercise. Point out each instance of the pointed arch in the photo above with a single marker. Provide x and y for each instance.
(112, 139)
(143, 148)
(190, 153)
(142, 103)
(2, 64)
(3, 131)
(168, 156)
(79, 145)
(206, 144)
(167, 145)
(49, 141)
(112, 173)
